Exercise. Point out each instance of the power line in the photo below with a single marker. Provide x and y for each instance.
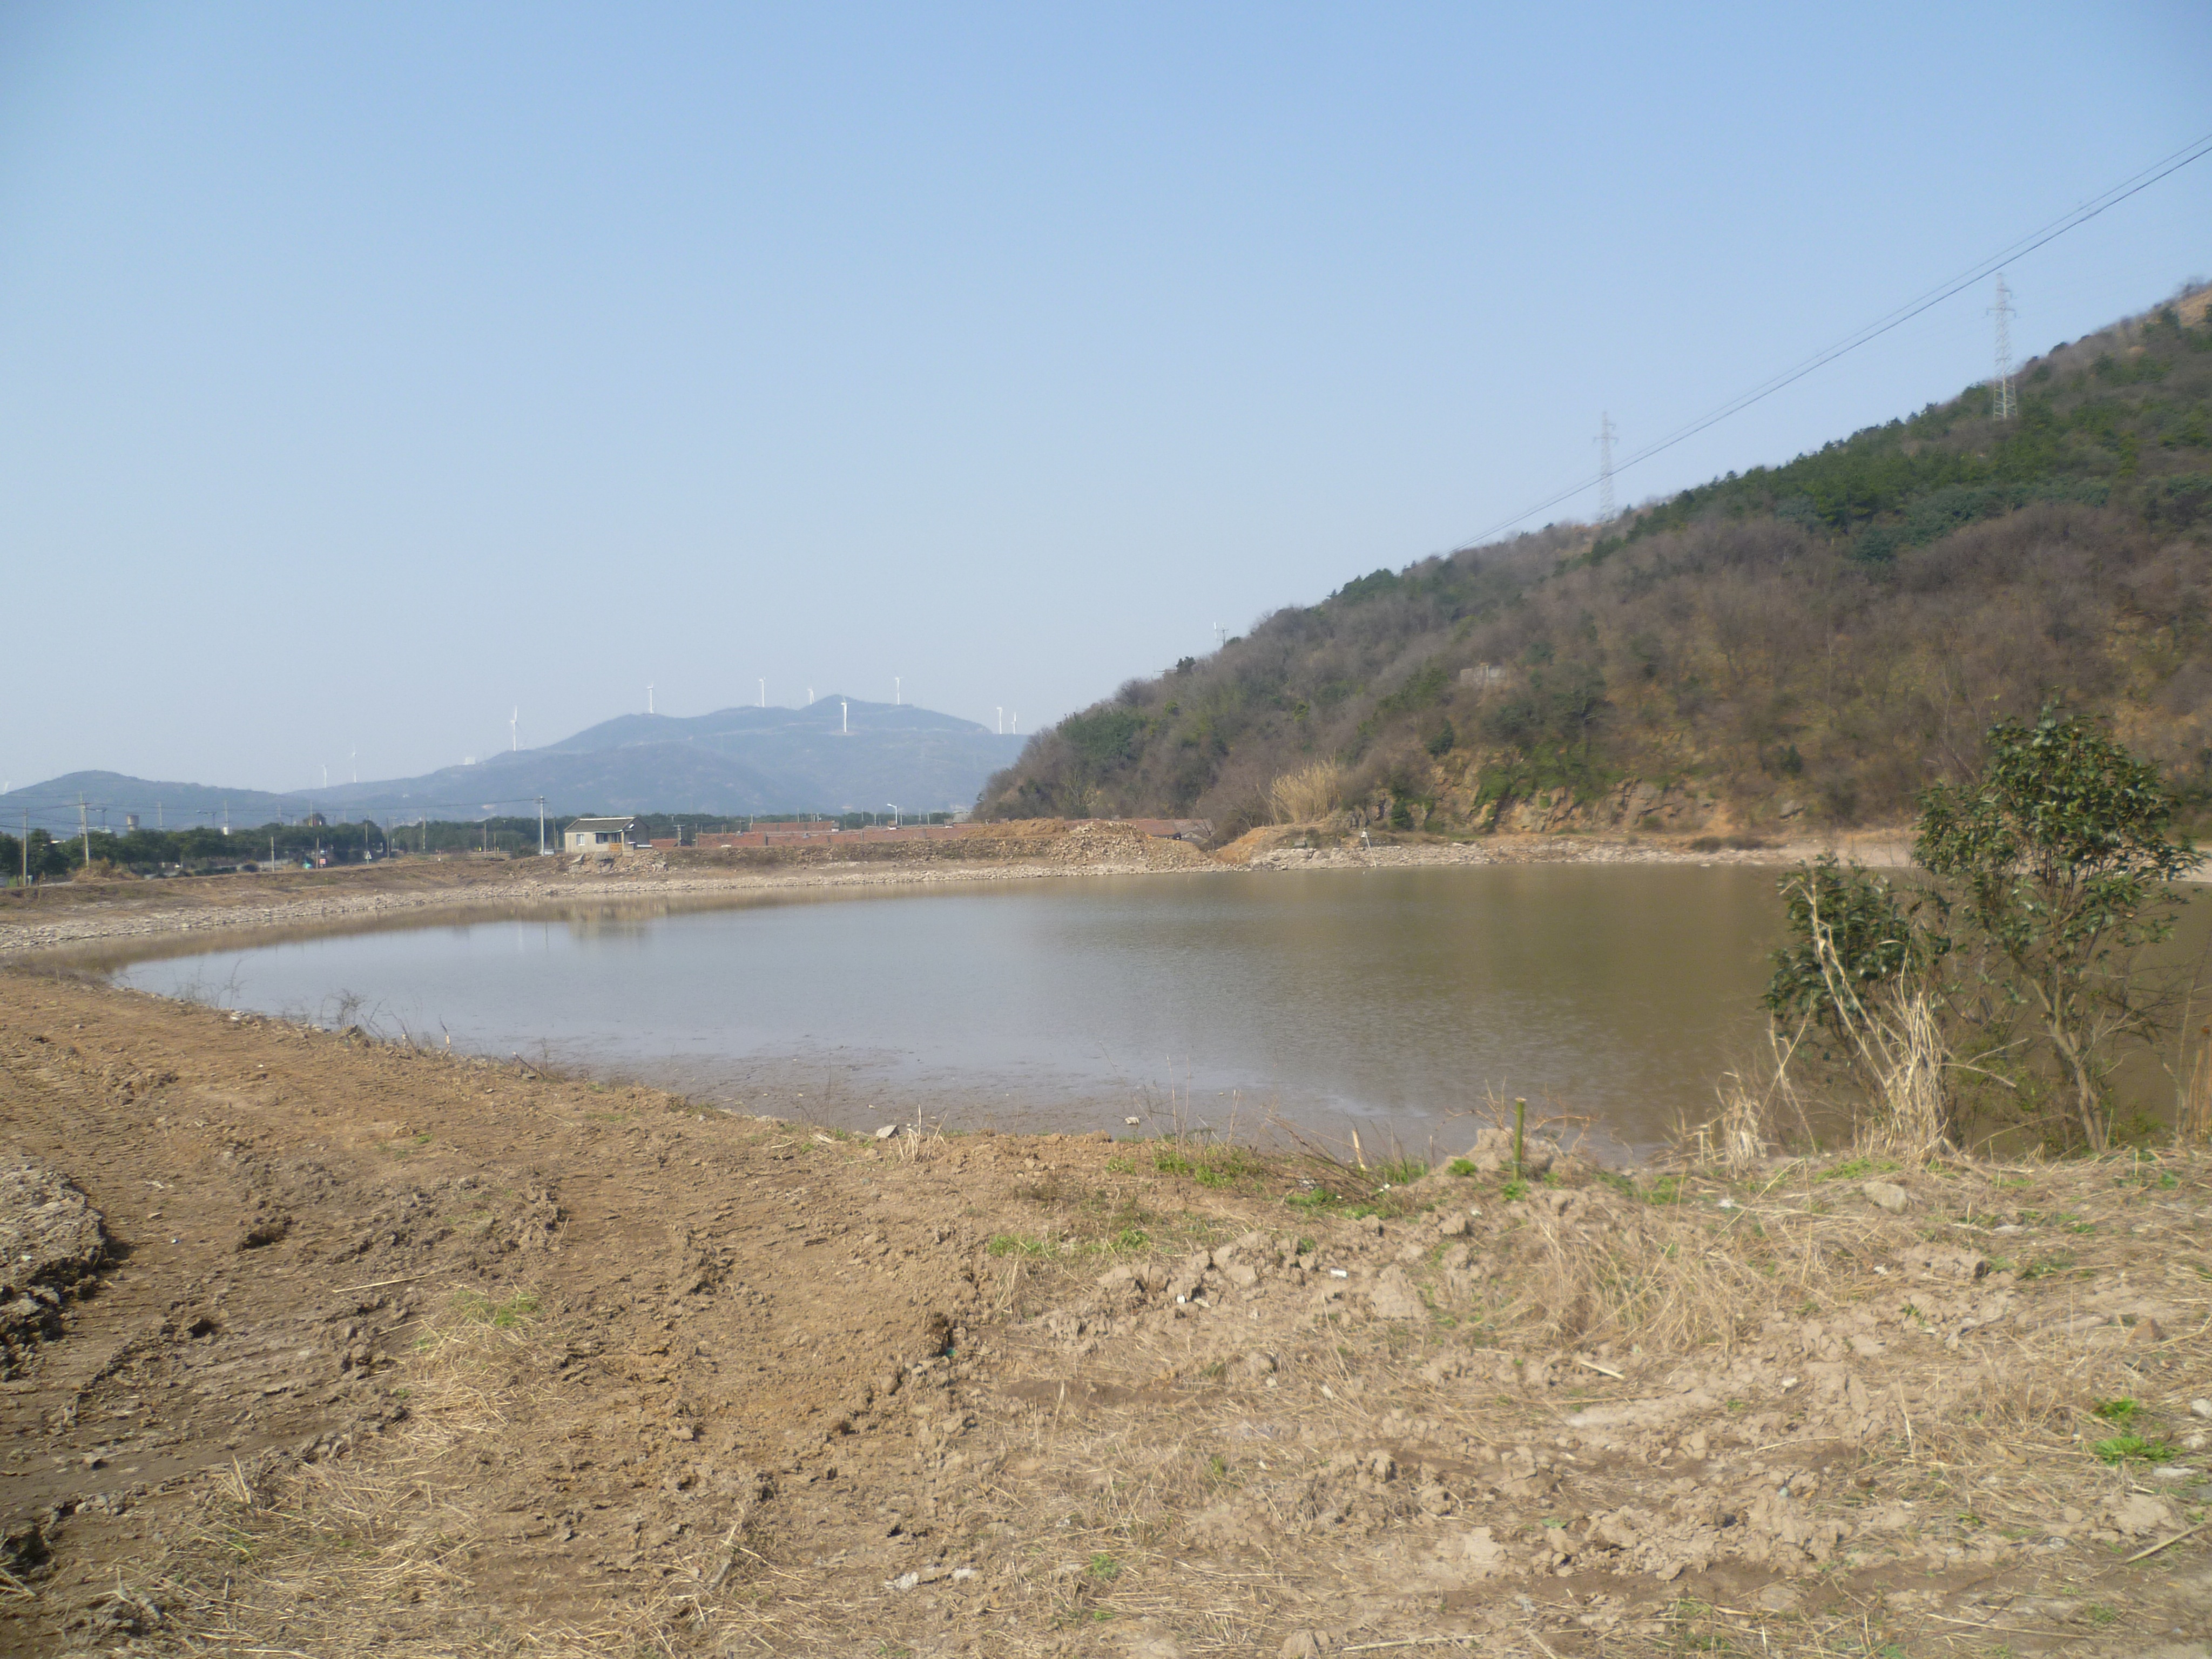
(2195, 150)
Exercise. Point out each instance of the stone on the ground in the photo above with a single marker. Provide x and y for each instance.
(1395, 1296)
(1887, 1194)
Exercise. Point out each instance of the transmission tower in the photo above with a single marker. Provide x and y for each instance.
(2001, 406)
(1605, 435)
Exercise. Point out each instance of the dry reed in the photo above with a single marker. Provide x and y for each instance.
(1897, 1042)
(1307, 795)
(2193, 1114)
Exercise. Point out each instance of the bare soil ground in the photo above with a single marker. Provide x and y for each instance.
(369, 1349)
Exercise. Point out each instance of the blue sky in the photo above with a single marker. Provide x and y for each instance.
(368, 372)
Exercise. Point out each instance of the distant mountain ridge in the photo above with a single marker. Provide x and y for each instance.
(836, 755)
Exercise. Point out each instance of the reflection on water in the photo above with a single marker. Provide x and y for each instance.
(1392, 999)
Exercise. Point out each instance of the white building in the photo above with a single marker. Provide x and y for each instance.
(598, 834)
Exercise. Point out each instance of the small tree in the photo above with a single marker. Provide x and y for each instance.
(2061, 860)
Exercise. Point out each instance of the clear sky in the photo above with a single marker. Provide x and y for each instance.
(367, 371)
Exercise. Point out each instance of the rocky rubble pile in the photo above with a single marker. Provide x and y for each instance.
(52, 1240)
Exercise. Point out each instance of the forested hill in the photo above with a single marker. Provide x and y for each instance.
(1808, 643)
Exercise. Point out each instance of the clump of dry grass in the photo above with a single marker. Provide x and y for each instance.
(1310, 794)
(2193, 1116)
(1894, 1036)
(1754, 1104)
(1666, 1272)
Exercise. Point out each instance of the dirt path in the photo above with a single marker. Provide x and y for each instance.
(396, 1351)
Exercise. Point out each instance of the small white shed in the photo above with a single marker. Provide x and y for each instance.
(596, 834)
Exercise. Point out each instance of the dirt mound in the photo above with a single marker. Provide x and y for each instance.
(50, 1242)
(397, 1351)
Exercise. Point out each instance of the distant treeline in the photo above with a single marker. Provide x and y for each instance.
(146, 852)
(1813, 642)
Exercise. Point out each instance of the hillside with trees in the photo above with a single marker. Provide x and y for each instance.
(1805, 644)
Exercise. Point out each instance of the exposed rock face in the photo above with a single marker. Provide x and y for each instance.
(51, 1239)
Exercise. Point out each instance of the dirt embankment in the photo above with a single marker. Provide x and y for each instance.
(376, 1349)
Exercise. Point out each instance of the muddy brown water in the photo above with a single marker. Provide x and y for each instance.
(1387, 1000)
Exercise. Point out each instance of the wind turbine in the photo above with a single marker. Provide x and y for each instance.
(898, 697)
(513, 730)
(763, 693)
(998, 719)
(648, 699)
(353, 759)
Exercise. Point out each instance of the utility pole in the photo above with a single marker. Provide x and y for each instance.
(541, 826)
(1606, 509)
(2001, 406)
(84, 828)
(27, 849)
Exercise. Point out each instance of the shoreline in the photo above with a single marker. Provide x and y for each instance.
(64, 921)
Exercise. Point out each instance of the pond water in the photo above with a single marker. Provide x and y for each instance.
(1390, 1001)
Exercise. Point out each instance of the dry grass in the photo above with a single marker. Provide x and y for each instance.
(357, 1554)
(2193, 1116)
(1121, 1507)
(1308, 794)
